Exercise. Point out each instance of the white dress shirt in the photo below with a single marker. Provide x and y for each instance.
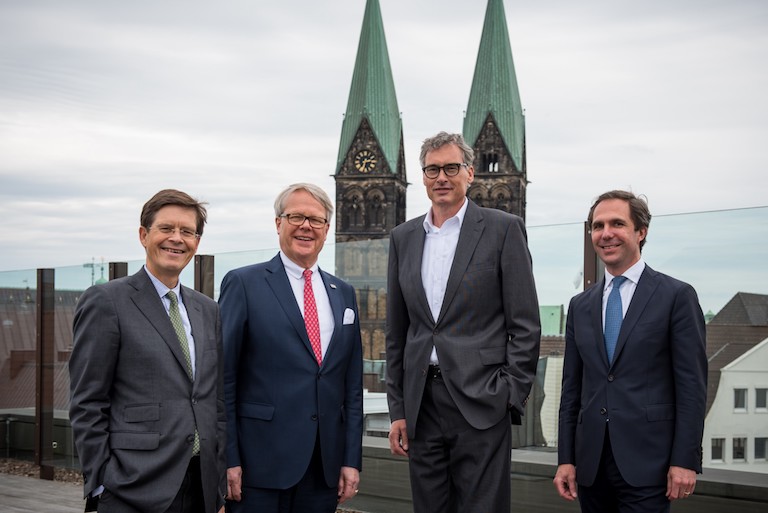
(162, 290)
(627, 290)
(437, 259)
(324, 312)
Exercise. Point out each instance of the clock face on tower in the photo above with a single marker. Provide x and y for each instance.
(365, 161)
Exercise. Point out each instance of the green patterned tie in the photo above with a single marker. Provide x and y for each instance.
(178, 325)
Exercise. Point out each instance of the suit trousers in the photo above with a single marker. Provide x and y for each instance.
(611, 494)
(453, 466)
(189, 498)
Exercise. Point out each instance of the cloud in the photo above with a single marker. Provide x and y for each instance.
(104, 103)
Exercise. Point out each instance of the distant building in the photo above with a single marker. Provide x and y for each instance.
(740, 325)
(736, 429)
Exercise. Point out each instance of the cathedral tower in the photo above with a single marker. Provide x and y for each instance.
(370, 179)
(494, 124)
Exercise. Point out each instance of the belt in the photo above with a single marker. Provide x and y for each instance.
(433, 372)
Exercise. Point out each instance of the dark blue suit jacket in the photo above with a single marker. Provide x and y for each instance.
(277, 398)
(652, 398)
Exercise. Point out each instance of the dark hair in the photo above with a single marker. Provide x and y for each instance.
(443, 138)
(168, 197)
(638, 209)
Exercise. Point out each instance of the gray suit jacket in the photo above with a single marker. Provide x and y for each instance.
(133, 407)
(488, 332)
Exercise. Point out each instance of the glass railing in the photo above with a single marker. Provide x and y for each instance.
(720, 253)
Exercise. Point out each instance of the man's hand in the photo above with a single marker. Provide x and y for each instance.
(680, 483)
(565, 481)
(234, 483)
(349, 479)
(398, 438)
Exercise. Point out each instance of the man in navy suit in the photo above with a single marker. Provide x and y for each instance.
(631, 423)
(293, 371)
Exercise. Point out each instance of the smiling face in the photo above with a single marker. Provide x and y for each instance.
(302, 244)
(447, 193)
(169, 253)
(614, 237)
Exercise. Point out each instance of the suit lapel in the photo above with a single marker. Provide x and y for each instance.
(277, 279)
(469, 236)
(596, 317)
(413, 244)
(643, 293)
(151, 306)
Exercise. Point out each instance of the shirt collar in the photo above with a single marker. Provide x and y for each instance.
(632, 274)
(161, 288)
(293, 269)
(429, 227)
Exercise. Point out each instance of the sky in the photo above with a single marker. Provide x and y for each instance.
(102, 104)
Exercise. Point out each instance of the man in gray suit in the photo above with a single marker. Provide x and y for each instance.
(462, 339)
(146, 375)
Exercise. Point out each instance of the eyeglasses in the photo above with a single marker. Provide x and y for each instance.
(449, 170)
(298, 220)
(185, 233)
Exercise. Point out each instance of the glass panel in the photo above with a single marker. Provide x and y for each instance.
(740, 398)
(760, 443)
(739, 449)
(18, 315)
(760, 398)
(717, 449)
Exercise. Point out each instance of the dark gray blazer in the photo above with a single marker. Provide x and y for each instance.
(133, 407)
(488, 333)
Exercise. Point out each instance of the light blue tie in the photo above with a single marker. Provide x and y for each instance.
(613, 317)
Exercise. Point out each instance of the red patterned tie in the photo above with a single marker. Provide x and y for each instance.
(310, 317)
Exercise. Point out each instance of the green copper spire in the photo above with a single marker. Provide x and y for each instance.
(372, 94)
(494, 86)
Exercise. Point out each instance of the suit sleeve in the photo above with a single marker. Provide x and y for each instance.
(221, 415)
(234, 321)
(396, 333)
(570, 399)
(521, 312)
(92, 365)
(689, 366)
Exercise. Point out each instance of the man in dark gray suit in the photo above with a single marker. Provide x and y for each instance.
(146, 374)
(463, 337)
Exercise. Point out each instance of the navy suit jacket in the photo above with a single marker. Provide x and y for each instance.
(652, 398)
(277, 398)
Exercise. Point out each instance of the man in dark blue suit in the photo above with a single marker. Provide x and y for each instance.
(293, 371)
(633, 405)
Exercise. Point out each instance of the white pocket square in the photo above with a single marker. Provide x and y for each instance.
(349, 316)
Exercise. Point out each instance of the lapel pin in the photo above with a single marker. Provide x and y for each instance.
(333, 285)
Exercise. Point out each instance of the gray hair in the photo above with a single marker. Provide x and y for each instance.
(312, 189)
(443, 138)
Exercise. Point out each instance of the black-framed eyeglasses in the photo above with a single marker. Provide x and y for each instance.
(448, 169)
(298, 220)
(167, 229)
